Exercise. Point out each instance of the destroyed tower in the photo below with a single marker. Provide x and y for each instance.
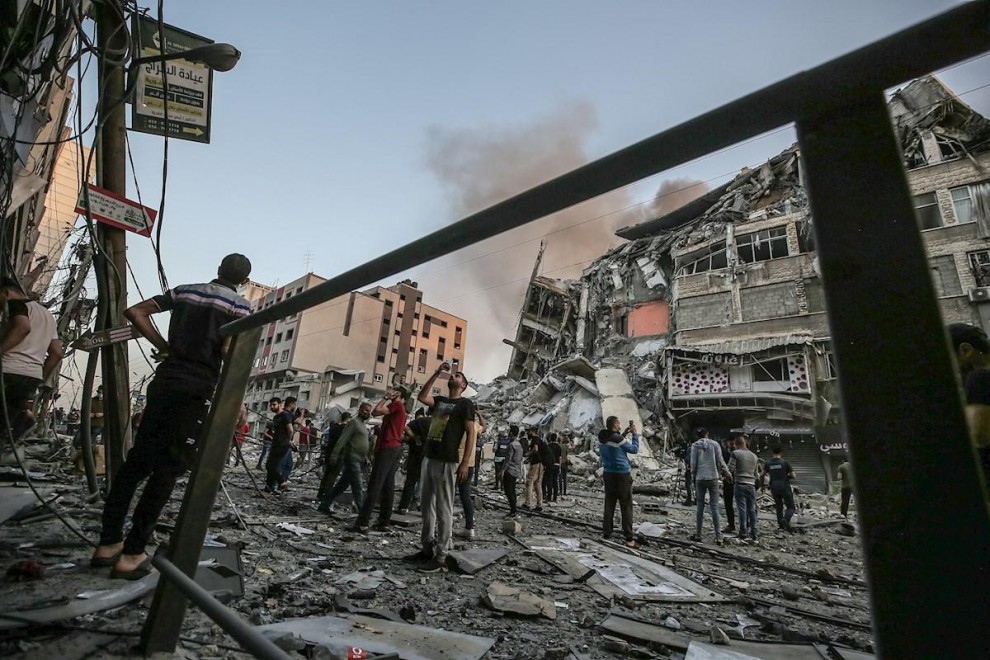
(716, 311)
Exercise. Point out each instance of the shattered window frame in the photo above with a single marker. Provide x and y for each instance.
(979, 266)
(923, 209)
(708, 258)
(963, 198)
(762, 245)
(762, 370)
(805, 231)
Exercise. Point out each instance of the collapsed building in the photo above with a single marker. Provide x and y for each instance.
(716, 311)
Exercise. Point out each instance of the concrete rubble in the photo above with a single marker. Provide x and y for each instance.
(581, 597)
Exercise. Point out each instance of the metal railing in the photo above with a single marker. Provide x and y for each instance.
(927, 553)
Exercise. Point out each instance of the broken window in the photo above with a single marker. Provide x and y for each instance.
(285, 356)
(926, 207)
(421, 365)
(972, 204)
(441, 346)
(805, 235)
(762, 245)
(979, 264)
(458, 333)
(379, 378)
(289, 333)
(945, 276)
(707, 258)
(278, 337)
(427, 321)
(771, 371)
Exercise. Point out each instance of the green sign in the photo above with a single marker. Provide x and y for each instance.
(188, 86)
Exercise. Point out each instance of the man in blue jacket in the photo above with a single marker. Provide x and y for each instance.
(614, 448)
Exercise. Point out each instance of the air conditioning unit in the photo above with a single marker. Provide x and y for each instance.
(980, 294)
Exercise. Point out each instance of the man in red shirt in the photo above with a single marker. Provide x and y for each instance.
(388, 449)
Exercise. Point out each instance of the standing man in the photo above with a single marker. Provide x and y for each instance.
(452, 433)
(556, 452)
(973, 357)
(745, 469)
(565, 452)
(513, 468)
(96, 417)
(351, 451)
(464, 487)
(781, 473)
(614, 448)
(502, 444)
(305, 441)
(534, 473)
(282, 430)
(728, 490)
(706, 464)
(479, 454)
(30, 350)
(330, 472)
(266, 439)
(415, 436)
(178, 400)
(689, 486)
(388, 449)
(845, 475)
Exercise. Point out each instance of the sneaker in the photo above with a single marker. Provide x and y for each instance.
(380, 526)
(730, 529)
(695, 538)
(538, 509)
(402, 512)
(464, 533)
(325, 509)
(421, 556)
(436, 565)
(358, 529)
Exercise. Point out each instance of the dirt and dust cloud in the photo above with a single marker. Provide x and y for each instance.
(481, 166)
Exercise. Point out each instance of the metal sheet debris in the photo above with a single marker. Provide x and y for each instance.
(375, 636)
(98, 601)
(620, 573)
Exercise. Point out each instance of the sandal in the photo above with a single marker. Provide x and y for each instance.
(104, 562)
(142, 570)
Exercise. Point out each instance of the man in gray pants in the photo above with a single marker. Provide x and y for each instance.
(745, 469)
(706, 464)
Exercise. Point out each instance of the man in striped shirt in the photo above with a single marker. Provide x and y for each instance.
(178, 400)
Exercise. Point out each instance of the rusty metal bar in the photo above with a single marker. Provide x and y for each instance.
(927, 546)
(945, 39)
(164, 623)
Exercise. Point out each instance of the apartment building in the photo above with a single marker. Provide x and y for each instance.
(352, 347)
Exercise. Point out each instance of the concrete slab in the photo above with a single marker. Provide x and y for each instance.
(617, 399)
(411, 642)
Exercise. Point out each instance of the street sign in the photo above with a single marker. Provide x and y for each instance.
(189, 85)
(91, 341)
(113, 209)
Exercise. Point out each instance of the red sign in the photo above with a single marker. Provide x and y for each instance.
(113, 209)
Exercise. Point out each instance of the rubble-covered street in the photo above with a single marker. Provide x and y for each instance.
(547, 587)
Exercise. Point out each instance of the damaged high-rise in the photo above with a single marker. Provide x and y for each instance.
(716, 311)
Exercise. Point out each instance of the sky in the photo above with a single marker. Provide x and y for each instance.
(349, 129)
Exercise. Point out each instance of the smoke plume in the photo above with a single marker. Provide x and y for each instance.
(486, 283)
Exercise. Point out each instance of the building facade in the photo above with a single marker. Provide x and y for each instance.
(350, 348)
(728, 291)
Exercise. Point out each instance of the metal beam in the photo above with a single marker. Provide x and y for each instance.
(164, 623)
(246, 635)
(927, 546)
(955, 35)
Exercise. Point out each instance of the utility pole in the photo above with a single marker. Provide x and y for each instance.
(111, 260)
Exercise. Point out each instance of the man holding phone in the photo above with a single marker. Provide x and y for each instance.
(614, 447)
